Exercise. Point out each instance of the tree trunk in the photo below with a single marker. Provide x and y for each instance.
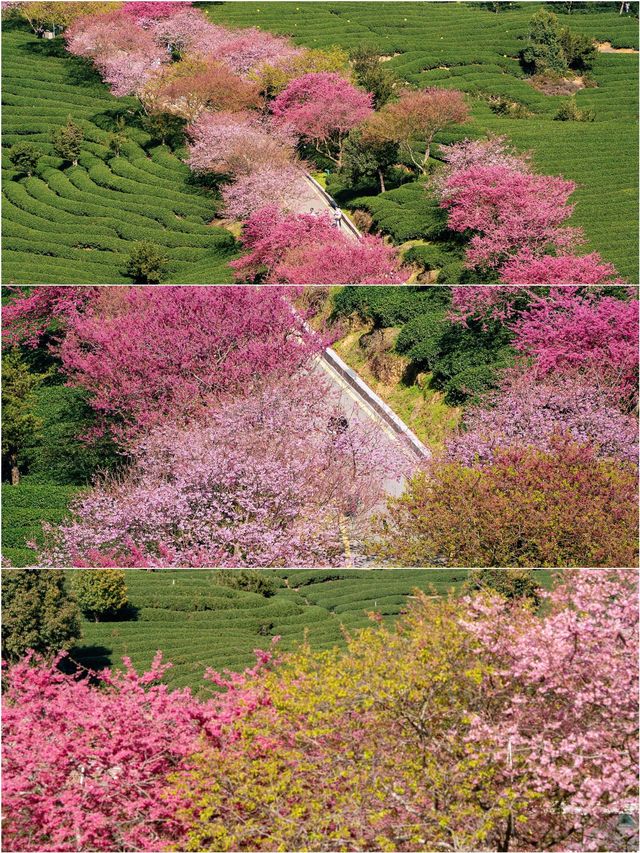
(427, 154)
(15, 475)
(381, 176)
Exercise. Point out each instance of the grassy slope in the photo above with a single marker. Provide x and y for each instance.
(77, 225)
(453, 44)
(171, 616)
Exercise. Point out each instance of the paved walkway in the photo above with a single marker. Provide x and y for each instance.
(316, 200)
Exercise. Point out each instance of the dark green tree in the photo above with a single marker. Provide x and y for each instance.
(25, 156)
(147, 264)
(544, 51)
(67, 141)
(37, 613)
(100, 593)
(364, 157)
(247, 580)
(20, 426)
(516, 584)
(116, 143)
(371, 74)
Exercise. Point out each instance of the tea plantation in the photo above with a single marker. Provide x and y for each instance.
(78, 225)
(197, 622)
(468, 47)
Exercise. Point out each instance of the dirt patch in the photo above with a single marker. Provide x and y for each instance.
(606, 47)
(387, 56)
(557, 85)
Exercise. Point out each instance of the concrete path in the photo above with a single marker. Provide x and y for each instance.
(317, 200)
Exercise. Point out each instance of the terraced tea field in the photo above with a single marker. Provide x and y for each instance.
(467, 47)
(78, 224)
(198, 623)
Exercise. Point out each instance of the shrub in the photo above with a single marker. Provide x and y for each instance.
(512, 584)
(147, 264)
(568, 111)
(37, 613)
(67, 141)
(261, 583)
(561, 507)
(100, 592)
(25, 157)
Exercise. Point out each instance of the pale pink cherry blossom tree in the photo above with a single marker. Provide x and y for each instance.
(270, 479)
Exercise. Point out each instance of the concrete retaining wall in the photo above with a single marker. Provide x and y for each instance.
(369, 396)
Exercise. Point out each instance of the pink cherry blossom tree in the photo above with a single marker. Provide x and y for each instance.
(125, 54)
(272, 479)
(237, 143)
(282, 186)
(27, 317)
(526, 268)
(87, 767)
(168, 352)
(572, 330)
(146, 12)
(507, 212)
(461, 156)
(566, 735)
(322, 108)
(528, 414)
(247, 50)
(306, 249)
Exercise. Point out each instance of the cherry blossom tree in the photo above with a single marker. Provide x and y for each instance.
(28, 316)
(567, 730)
(271, 479)
(526, 268)
(322, 108)
(509, 212)
(168, 352)
(282, 186)
(188, 88)
(182, 31)
(527, 414)
(573, 330)
(461, 156)
(125, 55)
(146, 12)
(237, 143)
(86, 766)
(306, 249)
(416, 117)
(247, 50)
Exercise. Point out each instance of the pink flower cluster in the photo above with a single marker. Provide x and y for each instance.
(86, 765)
(578, 375)
(514, 218)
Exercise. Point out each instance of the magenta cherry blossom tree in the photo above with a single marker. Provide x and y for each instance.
(526, 268)
(306, 249)
(322, 108)
(168, 352)
(283, 186)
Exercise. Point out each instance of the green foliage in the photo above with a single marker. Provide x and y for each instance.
(569, 111)
(464, 361)
(366, 160)
(510, 583)
(544, 51)
(25, 157)
(37, 613)
(116, 143)
(387, 306)
(67, 141)
(147, 264)
(100, 593)
(372, 75)
(552, 47)
(248, 580)
(20, 425)
(78, 226)
(24, 510)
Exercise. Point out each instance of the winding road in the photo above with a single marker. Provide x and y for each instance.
(317, 200)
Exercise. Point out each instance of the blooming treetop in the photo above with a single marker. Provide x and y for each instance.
(266, 480)
(306, 249)
(322, 108)
(170, 351)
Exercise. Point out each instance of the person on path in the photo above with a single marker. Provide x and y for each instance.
(337, 217)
